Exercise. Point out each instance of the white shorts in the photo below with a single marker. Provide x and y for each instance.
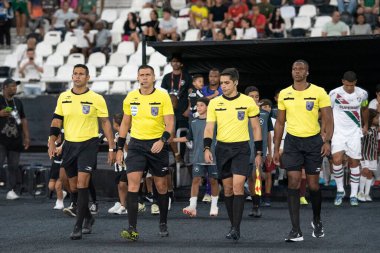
(351, 145)
(370, 164)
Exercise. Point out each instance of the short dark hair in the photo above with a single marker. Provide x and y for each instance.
(167, 10)
(178, 57)
(265, 101)
(302, 61)
(372, 113)
(30, 49)
(349, 76)
(196, 76)
(118, 118)
(247, 20)
(203, 100)
(233, 73)
(145, 66)
(214, 70)
(378, 87)
(250, 89)
(83, 67)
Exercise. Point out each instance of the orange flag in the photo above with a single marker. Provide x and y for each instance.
(258, 183)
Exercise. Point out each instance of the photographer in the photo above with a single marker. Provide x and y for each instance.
(14, 133)
(31, 69)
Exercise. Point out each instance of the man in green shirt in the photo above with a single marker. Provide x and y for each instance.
(87, 10)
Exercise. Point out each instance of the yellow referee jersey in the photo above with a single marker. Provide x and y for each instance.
(147, 113)
(80, 114)
(302, 109)
(231, 116)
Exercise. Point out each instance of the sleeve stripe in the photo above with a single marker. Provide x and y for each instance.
(56, 116)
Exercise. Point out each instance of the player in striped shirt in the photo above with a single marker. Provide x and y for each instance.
(369, 154)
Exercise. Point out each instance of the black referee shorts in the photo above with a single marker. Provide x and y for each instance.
(121, 176)
(79, 156)
(55, 167)
(232, 158)
(141, 158)
(302, 152)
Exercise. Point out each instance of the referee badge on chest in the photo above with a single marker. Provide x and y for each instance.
(134, 110)
(309, 105)
(240, 115)
(154, 110)
(85, 109)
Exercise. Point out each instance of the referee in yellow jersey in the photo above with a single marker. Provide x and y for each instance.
(80, 109)
(305, 144)
(231, 113)
(148, 114)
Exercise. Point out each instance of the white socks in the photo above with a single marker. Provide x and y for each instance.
(214, 201)
(362, 184)
(368, 185)
(354, 181)
(338, 175)
(193, 202)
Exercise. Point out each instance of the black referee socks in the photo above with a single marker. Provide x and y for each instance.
(316, 203)
(163, 204)
(238, 208)
(74, 197)
(229, 202)
(294, 208)
(255, 201)
(132, 207)
(82, 206)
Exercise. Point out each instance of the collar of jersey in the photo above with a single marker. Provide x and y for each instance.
(227, 98)
(154, 89)
(80, 93)
(308, 86)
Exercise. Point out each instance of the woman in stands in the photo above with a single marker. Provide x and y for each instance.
(206, 32)
(229, 31)
(132, 29)
(277, 24)
(152, 30)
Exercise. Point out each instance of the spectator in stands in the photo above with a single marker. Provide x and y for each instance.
(152, 30)
(61, 18)
(73, 4)
(21, 13)
(249, 32)
(198, 11)
(206, 32)
(229, 31)
(31, 67)
(36, 16)
(361, 27)
(31, 42)
(5, 24)
(213, 90)
(49, 7)
(218, 13)
(237, 11)
(168, 26)
(85, 40)
(14, 133)
(278, 3)
(276, 24)
(103, 39)
(371, 18)
(335, 27)
(370, 6)
(87, 10)
(349, 7)
(266, 9)
(258, 21)
(132, 29)
(219, 36)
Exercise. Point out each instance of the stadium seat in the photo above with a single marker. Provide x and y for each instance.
(44, 49)
(53, 37)
(71, 38)
(184, 12)
(145, 15)
(65, 72)
(119, 87)
(178, 4)
(334, 2)
(118, 25)
(91, 71)
(118, 60)
(64, 48)
(239, 33)
(11, 61)
(157, 72)
(129, 72)
(149, 50)
(167, 69)
(97, 59)
(55, 60)
(136, 58)
(124, 14)
(20, 51)
(302, 22)
(109, 15)
(49, 71)
(108, 72)
(101, 87)
(288, 12)
(308, 10)
(137, 5)
(316, 32)
(182, 25)
(116, 38)
(76, 58)
(191, 35)
(157, 59)
(321, 21)
(126, 48)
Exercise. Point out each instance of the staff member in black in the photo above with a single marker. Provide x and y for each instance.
(81, 110)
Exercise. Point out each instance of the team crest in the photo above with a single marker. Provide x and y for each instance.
(309, 105)
(241, 115)
(134, 110)
(86, 109)
(154, 110)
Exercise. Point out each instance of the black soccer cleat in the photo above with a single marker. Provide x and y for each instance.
(228, 235)
(235, 234)
(294, 236)
(256, 212)
(87, 225)
(76, 234)
(163, 230)
(71, 210)
(318, 231)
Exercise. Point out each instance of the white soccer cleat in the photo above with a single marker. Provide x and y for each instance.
(368, 198)
(206, 198)
(361, 197)
(11, 195)
(121, 210)
(190, 211)
(114, 208)
(214, 210)
(59, 205)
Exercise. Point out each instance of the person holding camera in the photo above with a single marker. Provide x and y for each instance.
(31, 69)
(14, 133)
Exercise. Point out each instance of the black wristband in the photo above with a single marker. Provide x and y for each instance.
(207, 142)
(259, 146)
(55, 131)
(165, 136)
(121, 143)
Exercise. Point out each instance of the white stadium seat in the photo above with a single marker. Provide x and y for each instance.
(302, 22)
(65, 72)
(76, 58)
(97, 59)
(101, 87)
(118, 60)
(191, 35)
(157, 59)
(129, 72)
(109, 72)
(64, 48)
(109, 15)
(126, 48)
(321, 21)
(178, 4)
(316, 32)
(55, 60)
(145, 15)
(44, 49)
(288, 12)
(308, 10)
(53, 37)
(119, 87)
